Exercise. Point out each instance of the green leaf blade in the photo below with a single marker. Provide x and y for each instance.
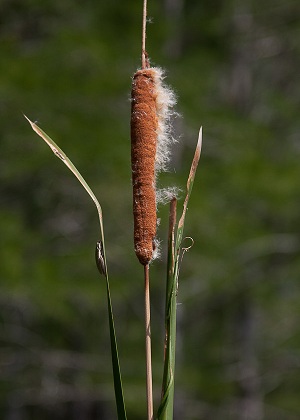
(121, 410)
(166, 408)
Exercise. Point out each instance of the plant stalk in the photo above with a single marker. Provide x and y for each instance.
(144, 53)
(148, 344)
(165, 411)
(175, 254)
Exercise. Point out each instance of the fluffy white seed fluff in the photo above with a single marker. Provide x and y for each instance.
(156, 252)
(165, 101)
(165, 195)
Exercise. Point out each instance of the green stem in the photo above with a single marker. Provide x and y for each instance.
(167, 401)
(165, 411)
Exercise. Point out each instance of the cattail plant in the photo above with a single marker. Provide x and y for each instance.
(151, 104)
(151, 110)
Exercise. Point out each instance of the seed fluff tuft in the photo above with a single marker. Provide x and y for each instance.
(165, 101)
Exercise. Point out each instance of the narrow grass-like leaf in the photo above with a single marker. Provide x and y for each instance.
(64, 158)
(189, 187)
(165, 411)
(113, 341)
(115, 359)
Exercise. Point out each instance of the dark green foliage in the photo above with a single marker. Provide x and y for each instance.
(234, 66)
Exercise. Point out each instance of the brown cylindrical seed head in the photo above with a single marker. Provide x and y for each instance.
(143, 152)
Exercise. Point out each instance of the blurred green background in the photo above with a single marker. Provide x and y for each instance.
(235, 68)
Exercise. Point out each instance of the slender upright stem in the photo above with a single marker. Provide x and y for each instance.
(144, 61)
(148, 344)
(165, 410)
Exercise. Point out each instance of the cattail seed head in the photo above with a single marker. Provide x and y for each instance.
(150, 104)
(143, 151)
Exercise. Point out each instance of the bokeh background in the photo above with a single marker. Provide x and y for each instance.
(235, 68)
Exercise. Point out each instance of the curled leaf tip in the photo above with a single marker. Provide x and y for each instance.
(188, 247)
